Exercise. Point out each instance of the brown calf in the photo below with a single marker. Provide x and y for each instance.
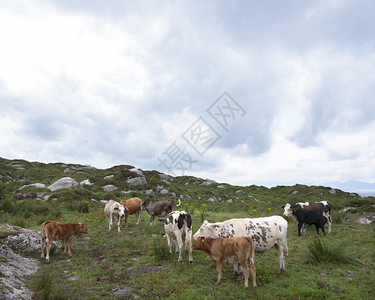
(60, 231)
(233, 249)
(134, 206)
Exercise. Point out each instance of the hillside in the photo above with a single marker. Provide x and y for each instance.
(136, 263)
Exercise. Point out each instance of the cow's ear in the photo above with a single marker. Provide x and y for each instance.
(116, 208)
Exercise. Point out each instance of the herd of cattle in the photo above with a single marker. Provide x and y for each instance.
(234, 240)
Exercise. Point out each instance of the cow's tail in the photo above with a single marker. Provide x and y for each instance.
(179, 202)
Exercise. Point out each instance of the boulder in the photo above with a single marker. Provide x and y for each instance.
(165, 177)
(137, 181)
(137, 171)
(63, 183)
(108, 177)
(37, 185)
(240, 192)
(86, 182)
(109, 188)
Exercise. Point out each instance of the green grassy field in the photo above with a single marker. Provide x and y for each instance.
(137, 258)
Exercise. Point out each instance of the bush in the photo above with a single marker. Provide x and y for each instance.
(160, 249)
(324, 251)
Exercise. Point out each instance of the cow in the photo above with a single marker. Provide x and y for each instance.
(60, 231)
(114, 210)
(159, 208)
(265, 233)
(310, 217)
(323, 207)
(233, 249)
(133, 206)
(178, 227)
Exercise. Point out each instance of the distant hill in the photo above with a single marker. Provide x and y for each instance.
(362, 188)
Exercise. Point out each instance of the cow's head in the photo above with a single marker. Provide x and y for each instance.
(288, 211)
(83, 228)
(204, 230)
(198, 243)
(145, 204)
(120, 209)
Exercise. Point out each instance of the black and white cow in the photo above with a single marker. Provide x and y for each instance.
(310, 217)
(323, 207)
(178, 227)
(265, 233)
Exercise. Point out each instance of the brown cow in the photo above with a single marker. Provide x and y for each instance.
(133, 206)
(60, 231)
(233, 249)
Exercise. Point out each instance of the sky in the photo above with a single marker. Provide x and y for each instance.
(242, 92)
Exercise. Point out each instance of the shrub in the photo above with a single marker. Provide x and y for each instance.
(43, 285)
(324, 251)
(160, 249)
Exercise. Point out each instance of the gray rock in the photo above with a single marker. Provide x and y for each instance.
(165, 177)
(207, 182)
(108, 177)
(294, 192)
(240, 192)
(332, 191)
(109, 188)
(149, 192)
(137, 171)
(73, 278)
(37, 185)
(122, 292)
(86, 182)
(63, 183)
(137, 181)
(164, 192)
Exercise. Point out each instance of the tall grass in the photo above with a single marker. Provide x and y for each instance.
(326, 251)
(160, 249)
(43, 285)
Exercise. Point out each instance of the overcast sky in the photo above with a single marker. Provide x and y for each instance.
(244, 92)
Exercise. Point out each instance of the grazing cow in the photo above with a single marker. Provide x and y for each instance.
(60, 231)
(159, 208)
(132, 206)
(178, 227)
(234, 249)
(310, 217)
(114, 210)
(265, 233)
(323, 207)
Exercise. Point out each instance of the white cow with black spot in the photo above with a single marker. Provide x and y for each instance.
(266, 232)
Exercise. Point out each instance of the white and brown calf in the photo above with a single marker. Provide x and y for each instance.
(178, 227)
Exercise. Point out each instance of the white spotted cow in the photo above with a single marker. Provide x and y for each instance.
(323, 207)
(178, 227)
(265, 233)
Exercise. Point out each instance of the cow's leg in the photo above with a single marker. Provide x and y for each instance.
(245, 269)
(317, 228)
(170, 243)
(300, 224)
(126, 218)
(304, 228)
(43, 245)
(65, 246)
(49, 243)
(69, 242)
(151, 219)
(119, 224)
(188, 244)
(218, 270)
(323, 230)
(329, 222)
(280, 252)
(138, 214)
(253, 269)
(110, 223)
(179, 246)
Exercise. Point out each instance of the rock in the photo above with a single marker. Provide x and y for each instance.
(164, 192)
(108, 177)
(229, 200)
(295, 193)
(149, 192)
(73, 278)
(207, 182)
(240, 192)
(366, 219)
(137, 171)
(122, 292)
(37, 185)
(165, 177)
(332, 191)
(109, 188)
(63, 183)
(13, 268)
(346, 209)
(86, 182)
(221, 186)
(137, 181)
